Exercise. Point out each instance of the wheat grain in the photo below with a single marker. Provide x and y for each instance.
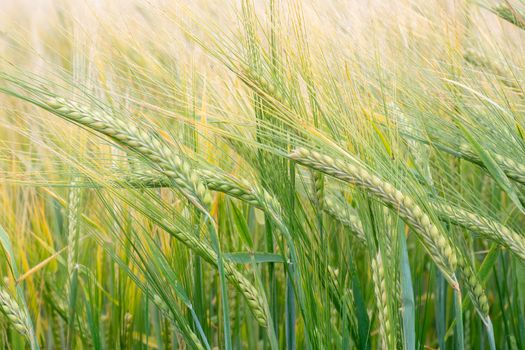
(143, 142)
(214, 182)
(318, 187)
(341, 214)
(474, 288)
(437, 244)
(487, 228)
(173, 167)
(380, 291)
(14, 314)
(73, 231)
(512, 169)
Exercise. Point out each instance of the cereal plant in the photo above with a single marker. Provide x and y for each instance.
(262, 174)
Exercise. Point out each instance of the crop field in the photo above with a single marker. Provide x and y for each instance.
(262, 174)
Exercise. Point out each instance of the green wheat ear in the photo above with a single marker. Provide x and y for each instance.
(172, 166)
(14, 313)
(438, 245)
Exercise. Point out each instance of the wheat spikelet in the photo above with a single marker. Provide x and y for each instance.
(173, 167)
(390, 233)
(14, 314)
(260, 84)
(73, 230)
(105, 320)
(56, 329)
(341, 214)
(128, 330)
(474, 288)
(438, 245)
(318, 187)
(143, 142)
(512, 169)
(378, 276)
(213, 181)
(487, 228)
(240, 189)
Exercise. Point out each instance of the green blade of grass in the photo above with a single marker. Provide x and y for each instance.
(407, 294)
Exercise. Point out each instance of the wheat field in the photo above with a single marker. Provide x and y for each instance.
(262, 174)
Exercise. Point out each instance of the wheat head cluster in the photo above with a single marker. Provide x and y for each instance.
(262, 174)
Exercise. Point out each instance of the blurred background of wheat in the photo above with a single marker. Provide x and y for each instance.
(277, 174)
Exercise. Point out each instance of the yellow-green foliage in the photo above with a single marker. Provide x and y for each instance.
(262, 174)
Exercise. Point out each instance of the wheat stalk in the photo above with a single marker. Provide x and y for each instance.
(438, 245)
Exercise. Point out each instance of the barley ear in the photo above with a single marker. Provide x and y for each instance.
(435, 242)
(14, 313)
